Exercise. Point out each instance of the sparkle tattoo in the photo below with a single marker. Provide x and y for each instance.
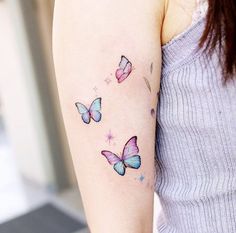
(95, 89)
(109, 137)
(107, 81)
(141, 178)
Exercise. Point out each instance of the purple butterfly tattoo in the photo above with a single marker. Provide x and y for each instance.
(92, 112)
(128, 159)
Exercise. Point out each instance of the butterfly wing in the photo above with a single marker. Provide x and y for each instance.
(130, 148)
(133, 162)
(119, 168)
(114, 160)
(125, 68)
(95, 109)
(123, 62)
(82, 109)
(128, 68)
(111, 157)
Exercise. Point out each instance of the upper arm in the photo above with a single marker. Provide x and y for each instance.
(89, 39)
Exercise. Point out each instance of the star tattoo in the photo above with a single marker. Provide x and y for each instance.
(141, 178)
(107, 80)
(95, 89)
(109, 137)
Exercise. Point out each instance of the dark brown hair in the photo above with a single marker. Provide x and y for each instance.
(221, 30)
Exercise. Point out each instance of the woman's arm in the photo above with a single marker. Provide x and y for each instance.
(109, 52)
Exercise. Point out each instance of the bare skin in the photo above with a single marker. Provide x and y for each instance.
(89, 39)
(178, 16)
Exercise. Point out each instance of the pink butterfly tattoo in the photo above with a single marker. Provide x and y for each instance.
(124, 70)
(129, 157)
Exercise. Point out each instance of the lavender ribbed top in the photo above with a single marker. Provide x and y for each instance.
(196, 140)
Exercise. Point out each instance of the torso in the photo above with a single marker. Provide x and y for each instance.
(178, 16)
(196, 133)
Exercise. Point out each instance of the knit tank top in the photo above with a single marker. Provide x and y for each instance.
(196, 140)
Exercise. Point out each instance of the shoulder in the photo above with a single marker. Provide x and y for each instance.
(125, 5)
(125, 11)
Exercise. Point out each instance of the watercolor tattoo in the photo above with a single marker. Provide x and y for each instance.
(92, 112)
(128, 159)
(124, 70)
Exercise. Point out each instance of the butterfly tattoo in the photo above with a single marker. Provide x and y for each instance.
(92, 112)
(128, 159)
(124, 70)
